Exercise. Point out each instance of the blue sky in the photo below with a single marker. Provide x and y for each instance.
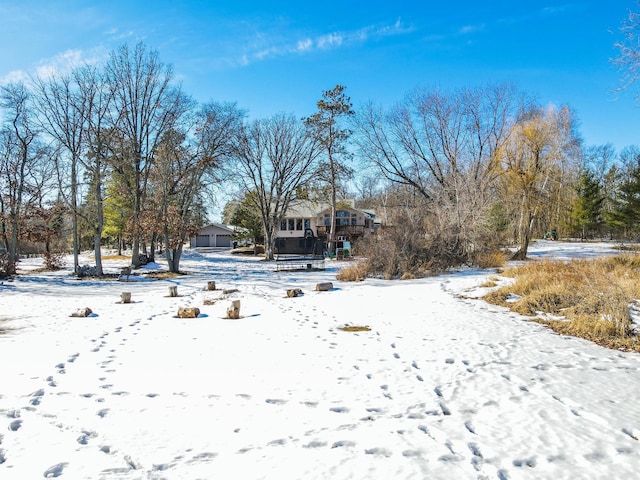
(279, 56)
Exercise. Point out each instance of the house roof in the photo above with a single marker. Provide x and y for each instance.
(312, 208)
(227, 228)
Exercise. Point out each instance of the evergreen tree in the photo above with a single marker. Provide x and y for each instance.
(625, 214)
(587, 211)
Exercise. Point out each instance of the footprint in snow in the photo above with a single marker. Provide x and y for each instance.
(15, 425)
(378, 451)
(55, 471)
(339, 409)
(103, 413)
(343, 443)
(83, 439)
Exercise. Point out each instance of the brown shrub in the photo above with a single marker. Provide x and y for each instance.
(356, 272)
(490, 259)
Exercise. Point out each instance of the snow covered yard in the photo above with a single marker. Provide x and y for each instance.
(443, 386)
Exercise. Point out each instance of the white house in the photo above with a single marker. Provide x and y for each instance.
(213, 235)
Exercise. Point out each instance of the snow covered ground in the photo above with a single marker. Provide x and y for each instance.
(443, 386)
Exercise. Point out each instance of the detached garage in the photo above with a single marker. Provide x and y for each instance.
(213, 235)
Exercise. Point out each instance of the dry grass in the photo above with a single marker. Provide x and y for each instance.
(116, 257)
(164, 275)
(354, 328)
(356, 272)
(591, 298)
(490, 283)
(491, 259)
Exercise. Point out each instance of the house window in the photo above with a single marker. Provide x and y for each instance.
(327, 219)
(307, 223)
(291, 224)
(342, 217)
(298, 224)
(353, 219)
(283, 224)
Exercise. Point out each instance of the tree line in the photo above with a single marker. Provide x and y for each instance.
(118, 154)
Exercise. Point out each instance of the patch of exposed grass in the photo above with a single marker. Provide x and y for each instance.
(591, 298)
(116, 257)
(163, 275)
(355, 328)
(490, 283)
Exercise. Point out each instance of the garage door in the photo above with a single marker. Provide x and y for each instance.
(202, 241)
(223, 240)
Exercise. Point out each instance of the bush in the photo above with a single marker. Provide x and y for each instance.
(353, 273)
(490, 259)
(53, 261)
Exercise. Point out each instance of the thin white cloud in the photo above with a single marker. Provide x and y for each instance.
(58, 65)
(304, 45)
(16, 76)
(61, 63)
(330, 41)
(470, 29)
(324, 42)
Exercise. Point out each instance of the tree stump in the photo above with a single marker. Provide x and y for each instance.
(233, 312)
(294, 292)
(324, 286)
(82, 312)
(173, 291)
(125, 297)
(211, 285)
(188, 312)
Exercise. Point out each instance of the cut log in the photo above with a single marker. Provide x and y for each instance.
(82, 312)
(324, 286)
(173, 291)
(211, 285)
(233, 312)
(294, 292)
(188, 312)
(125, 297)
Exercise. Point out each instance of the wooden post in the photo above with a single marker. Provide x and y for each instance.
(173, 291)
(125, 297)
(211, 285)
(233, 312)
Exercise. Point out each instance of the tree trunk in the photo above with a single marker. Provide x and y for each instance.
(74, 215)
(97, 252)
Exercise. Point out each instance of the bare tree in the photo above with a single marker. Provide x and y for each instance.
(274, 157)
(443, 145)
(184, 163)
(63, 115)
(96, 95)
(628, 60)
(145, 106)
(18, 156)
